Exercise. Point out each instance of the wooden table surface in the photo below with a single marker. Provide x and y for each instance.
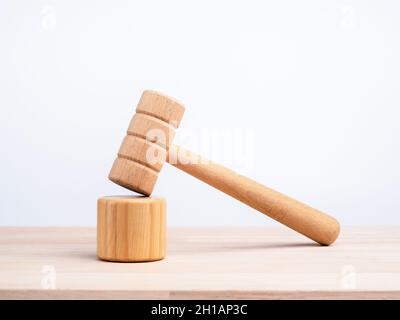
(203, 263)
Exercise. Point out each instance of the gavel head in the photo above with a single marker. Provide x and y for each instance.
(144, 149)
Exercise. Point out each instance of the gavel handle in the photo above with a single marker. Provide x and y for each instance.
(308, 221)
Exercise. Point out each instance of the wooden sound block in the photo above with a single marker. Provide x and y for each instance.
(131, 229)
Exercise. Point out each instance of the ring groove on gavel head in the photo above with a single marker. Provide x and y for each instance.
(144, 149)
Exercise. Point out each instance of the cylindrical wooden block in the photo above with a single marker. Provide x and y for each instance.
(131, 229)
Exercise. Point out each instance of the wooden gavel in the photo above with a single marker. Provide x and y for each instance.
(147, 146)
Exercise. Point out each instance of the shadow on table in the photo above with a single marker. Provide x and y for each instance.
(204, 247)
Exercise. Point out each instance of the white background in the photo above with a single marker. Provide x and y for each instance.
(312, 85)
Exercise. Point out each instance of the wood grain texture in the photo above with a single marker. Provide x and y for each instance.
(298, 216)
(220, 263)
(131, 229)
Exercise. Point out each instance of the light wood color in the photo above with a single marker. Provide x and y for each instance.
(131, 229)
(203, 263)
(310, 222)
(148, 144)
(149, 135)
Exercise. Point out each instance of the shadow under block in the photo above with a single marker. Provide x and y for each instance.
(131, 229)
